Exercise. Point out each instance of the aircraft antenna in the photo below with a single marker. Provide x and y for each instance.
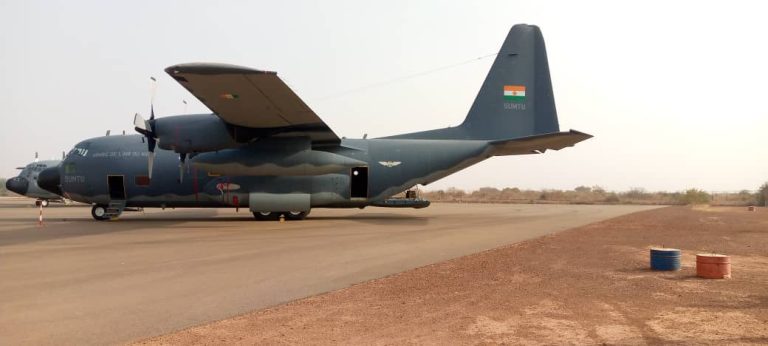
(406, 77)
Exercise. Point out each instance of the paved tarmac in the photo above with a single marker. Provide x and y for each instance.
(79, 281)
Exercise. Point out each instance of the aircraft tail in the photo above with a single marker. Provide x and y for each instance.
(516, 98)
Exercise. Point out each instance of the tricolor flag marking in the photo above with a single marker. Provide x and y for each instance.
(514, 93)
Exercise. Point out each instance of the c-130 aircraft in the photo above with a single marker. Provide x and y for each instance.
(265, 149)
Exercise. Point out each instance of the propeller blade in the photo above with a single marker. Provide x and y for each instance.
(63, 155)
(182, 159)
(35, 156)
(108, 131)
(151, 143)
(150, 164)
(139, 123)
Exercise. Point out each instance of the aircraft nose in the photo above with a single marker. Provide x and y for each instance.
(18, 185)
(50, 180)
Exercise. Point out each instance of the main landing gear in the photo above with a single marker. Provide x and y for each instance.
(41, 202)
(102, 212)
(275, 215)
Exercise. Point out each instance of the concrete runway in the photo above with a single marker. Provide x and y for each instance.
(81, 281)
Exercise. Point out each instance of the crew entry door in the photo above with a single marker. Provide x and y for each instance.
(358, 178)
(116, 187)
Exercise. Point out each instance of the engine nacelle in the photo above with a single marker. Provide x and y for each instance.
(194, 133)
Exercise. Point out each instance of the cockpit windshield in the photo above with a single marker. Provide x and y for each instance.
(80, 150)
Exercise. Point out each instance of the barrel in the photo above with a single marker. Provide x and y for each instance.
(713, 266)
(665, 259)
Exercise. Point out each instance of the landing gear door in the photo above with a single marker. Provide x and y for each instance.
(358, 178)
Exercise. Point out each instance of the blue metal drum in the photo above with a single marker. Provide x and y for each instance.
(665, 259)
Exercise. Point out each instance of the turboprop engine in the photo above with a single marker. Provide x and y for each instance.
(190, 133)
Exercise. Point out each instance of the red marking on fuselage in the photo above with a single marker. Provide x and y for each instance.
(194, 183)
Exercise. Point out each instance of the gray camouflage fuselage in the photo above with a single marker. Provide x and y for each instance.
(25, 183)
(393, 166)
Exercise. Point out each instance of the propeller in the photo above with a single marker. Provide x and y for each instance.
(36, 156)
(147, 128)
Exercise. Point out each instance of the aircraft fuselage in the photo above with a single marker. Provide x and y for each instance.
(354, 174)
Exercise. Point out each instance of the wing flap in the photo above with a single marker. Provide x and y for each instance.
(252, 98)
(538, 144)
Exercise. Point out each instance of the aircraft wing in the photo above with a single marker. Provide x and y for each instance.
(538, 143)
(252, 98)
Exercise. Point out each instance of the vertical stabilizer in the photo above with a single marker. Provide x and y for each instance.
(516, 98)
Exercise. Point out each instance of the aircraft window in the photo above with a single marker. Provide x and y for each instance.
(70, 168)
(81, 149)
(78, 152)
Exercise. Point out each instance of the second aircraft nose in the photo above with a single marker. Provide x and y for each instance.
(50, 180)
(18, 185)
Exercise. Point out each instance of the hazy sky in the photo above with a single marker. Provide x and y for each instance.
(674, 92)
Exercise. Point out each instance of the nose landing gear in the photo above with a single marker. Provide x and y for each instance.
(102, 212)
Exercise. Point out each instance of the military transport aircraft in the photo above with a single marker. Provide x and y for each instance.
(263, 148)
(25, 183)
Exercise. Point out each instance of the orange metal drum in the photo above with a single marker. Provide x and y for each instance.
(713, 266)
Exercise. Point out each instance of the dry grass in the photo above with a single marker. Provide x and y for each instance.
(591, 195)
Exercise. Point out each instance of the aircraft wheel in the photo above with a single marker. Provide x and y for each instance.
(296, 215)
(44, 203)
(99, 212)
(266, 215)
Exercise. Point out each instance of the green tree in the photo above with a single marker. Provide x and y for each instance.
(695, 196)
(762, 194)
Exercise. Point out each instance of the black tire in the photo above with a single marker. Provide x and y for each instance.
(266, 215)
(296, 215)
(99, 212)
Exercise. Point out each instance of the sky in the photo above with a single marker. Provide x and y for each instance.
(674, 91)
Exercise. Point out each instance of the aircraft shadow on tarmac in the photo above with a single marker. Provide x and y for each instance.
(62, 228)
(379, 219)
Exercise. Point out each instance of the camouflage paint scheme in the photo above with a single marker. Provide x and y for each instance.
(263, 148)
(25, 183)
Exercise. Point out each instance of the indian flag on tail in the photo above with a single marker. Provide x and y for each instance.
(514, 93)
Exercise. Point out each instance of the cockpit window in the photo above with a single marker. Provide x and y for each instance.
(80, 150)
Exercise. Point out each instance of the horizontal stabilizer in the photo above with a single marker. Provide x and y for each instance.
(537, 144)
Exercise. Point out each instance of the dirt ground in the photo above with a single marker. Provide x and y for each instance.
(589, 285)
